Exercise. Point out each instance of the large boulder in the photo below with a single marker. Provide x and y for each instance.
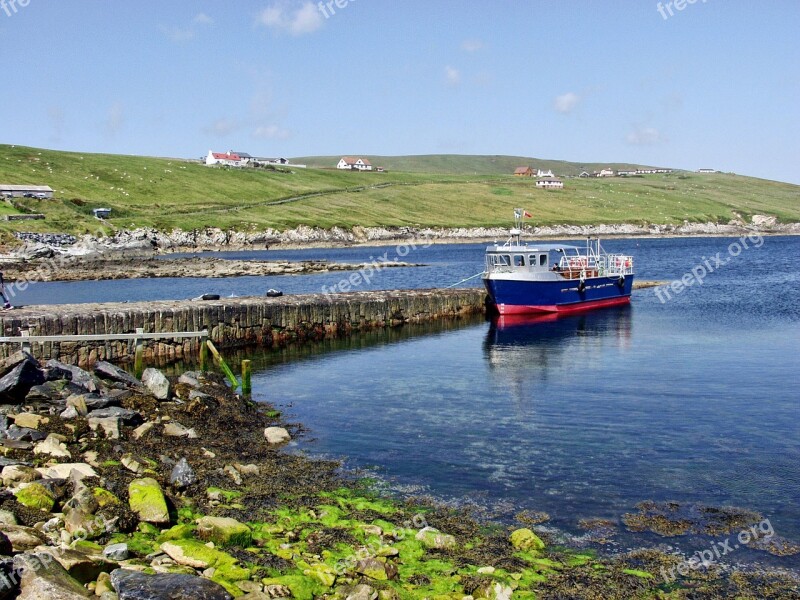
(224, 531)
(277, 435)
(58, 370)
(147, 500)
(44, 578)
(433, 538)
(106, 370)
(128, 416)
(22, 538)
(80, 565)
(132, 585)
(157, 383)
(16, 384)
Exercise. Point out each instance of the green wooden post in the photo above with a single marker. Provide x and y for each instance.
(204, 351)
(247, 387)
(223, 365)
(138, 357)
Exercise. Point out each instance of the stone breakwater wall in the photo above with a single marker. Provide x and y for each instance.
(231, 322)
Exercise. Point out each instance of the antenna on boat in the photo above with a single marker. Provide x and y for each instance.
(519, 214)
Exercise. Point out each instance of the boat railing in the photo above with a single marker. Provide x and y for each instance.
(592, 265)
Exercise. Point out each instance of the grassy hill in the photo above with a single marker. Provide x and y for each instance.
(460, 164)
(174, 193)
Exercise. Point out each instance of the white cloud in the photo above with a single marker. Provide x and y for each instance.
(222, 127)
(202, 19)
(271, 132)
(566, 103)
(115, 120)
(645, 136)
(472, 45)
(452, 76)
(296, 20)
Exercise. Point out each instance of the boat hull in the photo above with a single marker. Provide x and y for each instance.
(514, 297)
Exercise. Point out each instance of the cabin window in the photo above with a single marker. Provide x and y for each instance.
(532, 260)
(519, 260)
(500, 260)
(542, 260)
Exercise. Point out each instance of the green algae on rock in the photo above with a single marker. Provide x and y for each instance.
(147, 500)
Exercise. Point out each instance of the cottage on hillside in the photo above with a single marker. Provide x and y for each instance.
(354, 164)
(523, 172)
(226, 159)
(549, 183)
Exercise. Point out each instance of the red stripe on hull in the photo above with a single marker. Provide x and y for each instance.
(561, 309)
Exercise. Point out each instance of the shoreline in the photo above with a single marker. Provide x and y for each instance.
(180, 482)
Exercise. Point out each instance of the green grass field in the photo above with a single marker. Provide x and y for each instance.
(173, 193)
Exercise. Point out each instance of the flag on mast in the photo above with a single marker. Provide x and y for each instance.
(527, 215)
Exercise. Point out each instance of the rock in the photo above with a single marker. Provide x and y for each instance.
(10, 462)
(69, 413)
(116, 552)
(81, 566)
(147, 500)
(16, 474)
(7, 518)
(29, 420)
(134, 463)
(224, 531)
(132, 585)
(493, 591)
(53, 447)
(142, 430)
(43, 577)
(24, 434)
(77, 402)
(84, 379)
(233, 474)
(250, 587)
(372, 568)
(108, 425)
(276, 435)
(525, 539)
(362, 592)
(250, 469)
(103, 585)
(16, 384)
(108, 371)
(36, 496)
(126, 415)
(22, 538)
(175, 429)
(15, 359)
(6, 547)
(68, 470)
(155, 381)
(182, 475)
(176, 552)
(433, 538)
(190, 378)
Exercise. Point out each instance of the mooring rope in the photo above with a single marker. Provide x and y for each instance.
(464, 280)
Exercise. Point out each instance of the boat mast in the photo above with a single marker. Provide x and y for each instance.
(517, 231)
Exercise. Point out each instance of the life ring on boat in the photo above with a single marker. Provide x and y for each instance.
(628, 263)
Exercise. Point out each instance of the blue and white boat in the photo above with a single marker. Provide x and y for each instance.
(523, 278)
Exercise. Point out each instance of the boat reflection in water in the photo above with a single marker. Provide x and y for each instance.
(522, 350)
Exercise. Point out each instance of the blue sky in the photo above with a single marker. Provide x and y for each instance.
(716, 84)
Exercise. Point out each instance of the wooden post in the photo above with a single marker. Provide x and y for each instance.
(138, 357)
(223, 365)
(26, 344)
(204, 351)
(247, 387)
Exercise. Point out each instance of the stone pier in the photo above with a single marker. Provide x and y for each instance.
(231, 322)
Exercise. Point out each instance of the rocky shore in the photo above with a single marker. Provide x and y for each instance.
(94, 268)
(177, 488)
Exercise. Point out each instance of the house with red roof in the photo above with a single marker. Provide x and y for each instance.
(227, 159)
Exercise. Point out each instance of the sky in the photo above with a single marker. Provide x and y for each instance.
(703, 84)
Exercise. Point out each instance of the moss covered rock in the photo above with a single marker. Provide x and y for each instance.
(525, 539)
(224, 531)
(36, 495)
(147, 500)
(433, 538)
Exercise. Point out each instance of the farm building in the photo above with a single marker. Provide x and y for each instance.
(549, 183)
(229, 159)
(523, 172)
(26, 191)
(354, 164)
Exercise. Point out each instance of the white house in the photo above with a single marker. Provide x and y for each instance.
(228, 159)
(606, 173)
(585, 174)
(626, 173)
(548, 173)
(354, 164)
(549, 183)
(706, 170)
